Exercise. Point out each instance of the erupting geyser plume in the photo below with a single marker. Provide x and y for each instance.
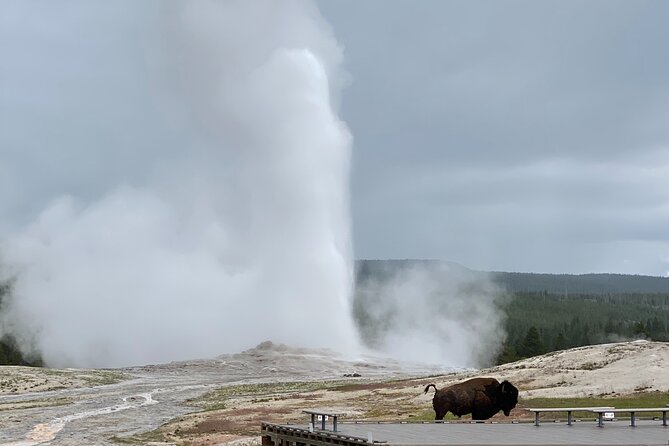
(174, 184)
(186, 193)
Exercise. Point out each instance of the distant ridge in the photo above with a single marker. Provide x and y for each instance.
(582, 283)
(594, 283)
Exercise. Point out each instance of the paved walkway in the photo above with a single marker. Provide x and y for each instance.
(647, 432)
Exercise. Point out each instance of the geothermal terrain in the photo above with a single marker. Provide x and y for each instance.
(223, 400)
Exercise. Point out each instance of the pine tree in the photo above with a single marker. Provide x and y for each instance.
(508, 354)
(560, 342)
(531, 345)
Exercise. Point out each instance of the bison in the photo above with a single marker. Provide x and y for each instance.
(482, 397)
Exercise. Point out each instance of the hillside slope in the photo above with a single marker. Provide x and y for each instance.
(593, 283)
(609, 371)
(597, 370)
(229, 396)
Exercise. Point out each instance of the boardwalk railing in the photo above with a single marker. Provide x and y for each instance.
(600, 411)
(279, 435)
(632, 412)
(323, 416)
(570, 411)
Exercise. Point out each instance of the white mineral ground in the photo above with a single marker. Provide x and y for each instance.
(74, 406)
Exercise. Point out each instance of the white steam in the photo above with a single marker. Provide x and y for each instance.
(232, 230)
(174, 184)
(432, 312)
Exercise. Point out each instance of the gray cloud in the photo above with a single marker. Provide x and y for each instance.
(161, 155)
(510, 135)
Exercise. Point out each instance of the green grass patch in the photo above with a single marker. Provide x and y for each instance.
(641, 399)
(90, 377)
(144, 438)
(418, 415)
(104, 377)
(34, 404)
(348, 386)
(428, 415)
(216, 399)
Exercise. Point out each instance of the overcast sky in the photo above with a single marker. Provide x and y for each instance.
(509, 135)
(503, 135)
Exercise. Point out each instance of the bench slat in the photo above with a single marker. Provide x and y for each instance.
(569, 410)
(639, 409)
(632, 411)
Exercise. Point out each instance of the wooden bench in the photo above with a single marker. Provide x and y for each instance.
(569, 410)
(323, 414)
(633, 412)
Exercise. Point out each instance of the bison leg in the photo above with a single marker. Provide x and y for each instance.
(483, 414)
(440, 414)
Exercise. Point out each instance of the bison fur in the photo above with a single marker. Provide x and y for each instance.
(481, 397)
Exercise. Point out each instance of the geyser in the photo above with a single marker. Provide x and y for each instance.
(183, 180)
(174, 184)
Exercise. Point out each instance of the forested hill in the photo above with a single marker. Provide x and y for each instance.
(582, 283)
(542, 312)
(525, 282)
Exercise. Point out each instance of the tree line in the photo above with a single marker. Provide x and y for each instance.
(541, 322)
(9, 351)
(536, 322)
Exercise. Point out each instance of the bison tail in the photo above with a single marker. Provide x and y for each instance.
(428, 387)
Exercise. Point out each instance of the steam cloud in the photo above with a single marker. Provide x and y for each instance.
(179, 189)
(431, 312)
(229, 232)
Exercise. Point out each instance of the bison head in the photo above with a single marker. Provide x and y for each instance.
(508, 397)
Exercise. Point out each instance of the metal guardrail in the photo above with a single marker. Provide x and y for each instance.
(569, 410)
(633, 411)
(600, 411)
(287, 434)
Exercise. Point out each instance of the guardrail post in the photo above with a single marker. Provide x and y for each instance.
(632, 420)
(600, 419)
(536, 418)
(569, 418)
